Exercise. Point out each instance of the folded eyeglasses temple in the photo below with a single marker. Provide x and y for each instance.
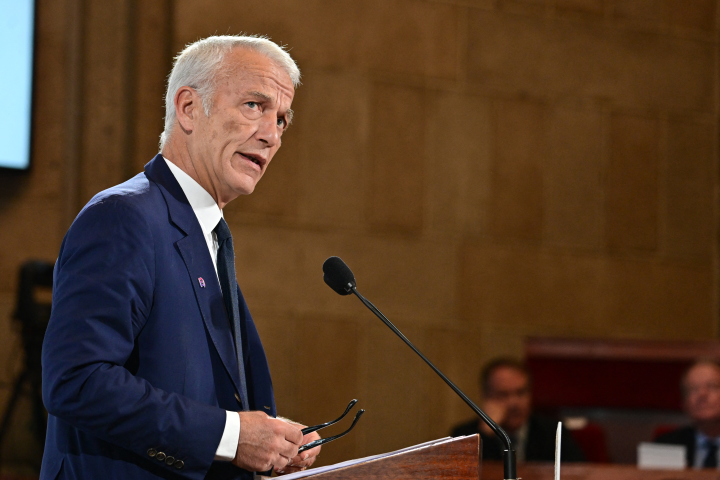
(307, 430)
(323, 441)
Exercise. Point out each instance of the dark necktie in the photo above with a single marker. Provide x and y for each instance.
(711, 458)
(228, 283)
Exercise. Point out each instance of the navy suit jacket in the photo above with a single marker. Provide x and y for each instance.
(139, 357)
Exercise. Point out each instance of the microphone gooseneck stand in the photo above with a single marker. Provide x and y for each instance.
(509, 461)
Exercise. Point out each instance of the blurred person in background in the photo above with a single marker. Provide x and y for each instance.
(701, 395)
(505, 385)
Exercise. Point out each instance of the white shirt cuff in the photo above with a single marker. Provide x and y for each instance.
(231, 435)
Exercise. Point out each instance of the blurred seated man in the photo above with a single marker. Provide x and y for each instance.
(505, 384)
(701, 394)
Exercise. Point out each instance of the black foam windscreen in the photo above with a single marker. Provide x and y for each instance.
(338, 276)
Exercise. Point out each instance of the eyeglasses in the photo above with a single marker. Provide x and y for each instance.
(323, 441)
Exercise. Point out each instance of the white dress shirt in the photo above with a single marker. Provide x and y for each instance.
(702, 448)
(209, 214)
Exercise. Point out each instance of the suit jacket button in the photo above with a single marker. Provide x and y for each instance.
(237, 397)
(160, 456)
(179, 464)
(151, 452)
(169, 460)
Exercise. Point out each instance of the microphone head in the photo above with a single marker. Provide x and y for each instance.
(338, 276)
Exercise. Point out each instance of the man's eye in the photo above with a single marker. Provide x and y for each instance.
(281, 122)
(252, 104)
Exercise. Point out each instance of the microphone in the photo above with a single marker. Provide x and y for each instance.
(338, 276)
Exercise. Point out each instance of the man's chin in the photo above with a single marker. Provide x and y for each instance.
(244, 186)
(245, 191)
(708, 418)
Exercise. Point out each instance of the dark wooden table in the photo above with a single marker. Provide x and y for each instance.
(594, 471)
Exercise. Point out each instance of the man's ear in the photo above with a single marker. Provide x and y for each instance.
(187, 108)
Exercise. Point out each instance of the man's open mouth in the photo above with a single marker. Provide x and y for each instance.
(257, 160)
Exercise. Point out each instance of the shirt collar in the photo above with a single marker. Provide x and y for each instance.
(203, 204)
(703, 439)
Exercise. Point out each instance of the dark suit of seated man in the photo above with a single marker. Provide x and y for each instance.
(701, 394)
(505, 384)
(152, 365)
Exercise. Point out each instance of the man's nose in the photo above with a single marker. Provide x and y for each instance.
(267, 130)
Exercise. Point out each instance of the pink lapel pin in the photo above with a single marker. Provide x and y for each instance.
(201, 282)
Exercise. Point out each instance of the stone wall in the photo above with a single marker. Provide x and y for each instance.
(490, 170)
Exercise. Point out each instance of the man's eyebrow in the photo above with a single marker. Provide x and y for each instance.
(264, 96)
(289, 115)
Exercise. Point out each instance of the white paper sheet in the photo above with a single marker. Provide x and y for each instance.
(657, 456)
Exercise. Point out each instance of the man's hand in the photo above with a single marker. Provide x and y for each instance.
(305, 459)
(266, 442)
(496, 410)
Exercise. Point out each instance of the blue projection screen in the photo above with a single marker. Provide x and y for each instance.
(16, 58)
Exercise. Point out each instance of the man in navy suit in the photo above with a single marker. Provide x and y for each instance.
(506, 387)
(145, 374)
(701, 394)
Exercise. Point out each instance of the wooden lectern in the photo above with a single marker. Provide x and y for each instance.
(457, 459)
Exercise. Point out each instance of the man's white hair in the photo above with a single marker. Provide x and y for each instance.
(200, 63)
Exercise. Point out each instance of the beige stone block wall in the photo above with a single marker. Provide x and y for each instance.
(632, 183)
(573, 203)
(520, 153)
(396, 159)
(490, 169)
(690, 195)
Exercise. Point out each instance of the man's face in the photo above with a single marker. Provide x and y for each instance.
(250, 112)
(702, 393)
(511, 387)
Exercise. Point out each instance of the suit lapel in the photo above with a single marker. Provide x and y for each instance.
(194, 252)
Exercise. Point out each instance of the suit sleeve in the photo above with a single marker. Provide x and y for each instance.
(102, 296)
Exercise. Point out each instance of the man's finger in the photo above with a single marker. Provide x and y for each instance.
(294, 435)
(289, 451)
(305, 459)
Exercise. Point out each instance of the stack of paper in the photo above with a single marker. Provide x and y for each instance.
(658, 456)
